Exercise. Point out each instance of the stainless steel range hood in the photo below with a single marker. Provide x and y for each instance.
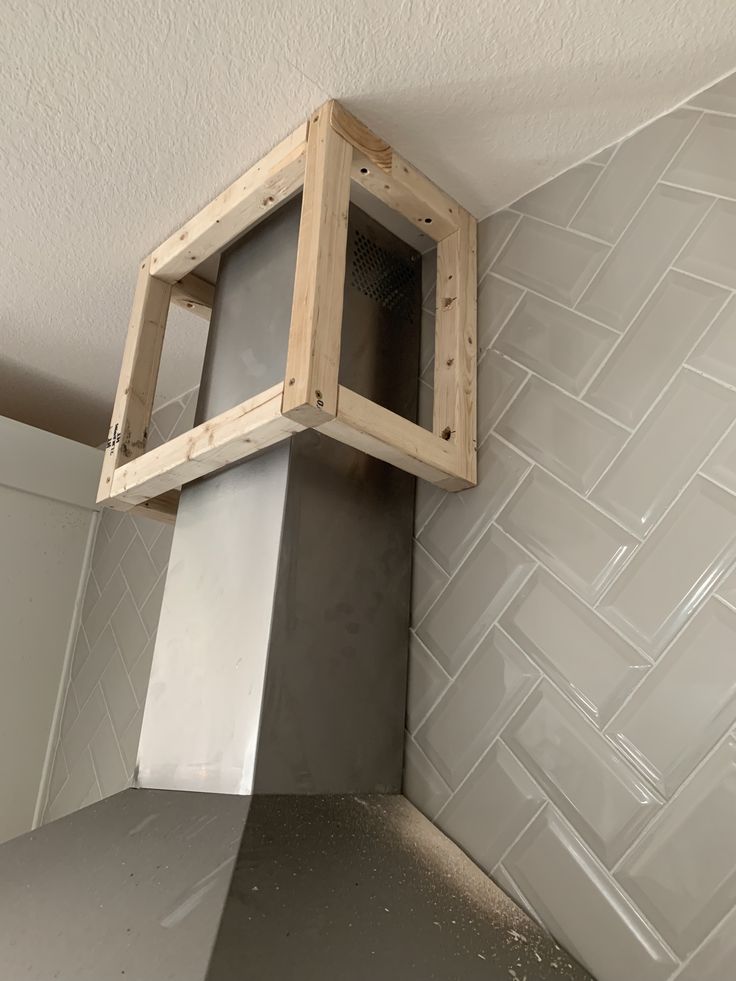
(276, 705)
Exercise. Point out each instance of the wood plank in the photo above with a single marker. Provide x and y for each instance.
(371, 428)
(272, 181)
(233, 435)
(162, 508)
(455, 364)
(195, 295)
(131, 414)
(393, 180)
(313, 358)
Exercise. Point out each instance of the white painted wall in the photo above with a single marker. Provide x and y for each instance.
(47, 519)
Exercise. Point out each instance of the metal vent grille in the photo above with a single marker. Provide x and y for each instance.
(381, 275)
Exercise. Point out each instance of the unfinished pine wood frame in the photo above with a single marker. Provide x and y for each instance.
(323, 156)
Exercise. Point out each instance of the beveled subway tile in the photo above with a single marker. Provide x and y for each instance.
(485, 815)
(712, 251)
(558, 199)
(553, 261)
(720, 97)
(641, 255)
(722, 465)
(498, 381)
(687, 702)
(428, 581)
(427, 499)
(423, 785)
(476, 595)
(570, 440)
(654, 346)
(582, 905)
(715, 959)
(458, 522)
(682, 873)
(475, 707)
(426, 404)
(666, 450)
(603, 156)
(595, 667)
(706, 159)
(493, 233)
(426, 341)
(676, 569)
(601, 795)
(716, 353)
(629, 177)
(727, 590)
(427, 681)
(578, 543)
(558, 344)
(496, 300)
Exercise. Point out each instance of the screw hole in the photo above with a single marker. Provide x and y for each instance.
(364, 170)
(427, 221)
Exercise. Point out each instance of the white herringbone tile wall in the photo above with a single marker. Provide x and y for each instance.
(572, 696)
(103, 710)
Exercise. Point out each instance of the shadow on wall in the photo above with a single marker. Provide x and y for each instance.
(43, 401)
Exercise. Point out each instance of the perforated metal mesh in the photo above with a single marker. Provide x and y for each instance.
(381, 275)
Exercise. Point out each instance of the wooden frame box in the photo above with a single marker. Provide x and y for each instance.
(323, 156)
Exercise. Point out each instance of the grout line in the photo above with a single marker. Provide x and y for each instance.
(592, 187)
(112, 726)
(491, 744)
(515, 306)
(94, 768)
(724, 602)
(557, 303)
(660, 397)
(627, 330)
(573, 231)
(698, 190)
(719, 381)
(505, 242)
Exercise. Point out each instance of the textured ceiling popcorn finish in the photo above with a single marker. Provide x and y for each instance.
(119, 121)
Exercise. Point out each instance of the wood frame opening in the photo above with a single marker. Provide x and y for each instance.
(322, 156)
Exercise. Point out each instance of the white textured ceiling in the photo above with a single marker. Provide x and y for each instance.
(119, 120)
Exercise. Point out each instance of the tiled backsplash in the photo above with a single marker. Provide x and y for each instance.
(103, 711)
(573, 657)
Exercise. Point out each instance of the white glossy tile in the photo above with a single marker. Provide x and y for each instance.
(712, 250)
(475, 707)
(556, 343)
(109, 767)
(461, 518)
(583, 906)
(716, 353)
(666, 450)
(601, 795)
(722, 464)
(720, 97)
(553, 261)
(119, 696)
(427, 582)
(638, 163)
(682, 874)
(496, 300)
(498, 381)
(558, 199)
(676, 569)
(75, 790)
(427, 681)
(426, 501)
(706, 159)
(687, 702)
(603, 156)
(644, 251)
(578, 543)
(570, 440)
(129, 631)
(423, 785)
(493, 233)
(654, 346)
(497, 799)
(475, 596)
(595, 667)
(715, 960)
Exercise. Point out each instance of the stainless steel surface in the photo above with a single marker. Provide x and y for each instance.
(287, 598)
(131, 888)
(366, 889)
(204, 698)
